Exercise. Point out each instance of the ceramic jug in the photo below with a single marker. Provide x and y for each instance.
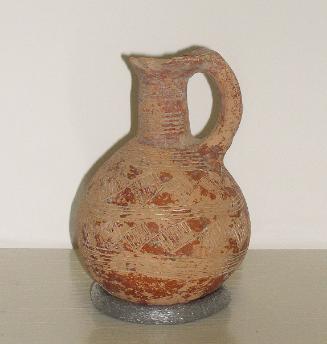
(162, 221)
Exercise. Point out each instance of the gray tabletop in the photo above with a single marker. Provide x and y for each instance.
(278, 296)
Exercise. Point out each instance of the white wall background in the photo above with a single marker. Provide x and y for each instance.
(64, 100)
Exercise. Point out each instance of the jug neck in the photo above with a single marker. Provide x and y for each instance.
(162, 105)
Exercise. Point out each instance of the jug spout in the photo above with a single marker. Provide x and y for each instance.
(182, 65)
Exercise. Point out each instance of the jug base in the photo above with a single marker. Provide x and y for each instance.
(165, 315)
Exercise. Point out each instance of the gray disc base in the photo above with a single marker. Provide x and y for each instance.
(166, 315)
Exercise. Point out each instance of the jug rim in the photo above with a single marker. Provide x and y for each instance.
(180, 55)
(171, 61)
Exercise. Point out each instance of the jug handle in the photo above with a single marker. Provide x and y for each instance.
(216, 68)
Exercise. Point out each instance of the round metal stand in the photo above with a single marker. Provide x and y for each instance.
(166, 315)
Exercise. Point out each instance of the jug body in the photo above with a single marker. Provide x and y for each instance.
(162, 221)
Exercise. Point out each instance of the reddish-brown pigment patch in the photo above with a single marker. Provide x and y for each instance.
(228, 192)
(236, 215)
(125, 197)
(127, 247)
(212, 154)
(198, 224)
(204, 149)
(196, 174)
(187, 249)
(153, 227)
(141, 287)
(153, 249)
(207, 193)
(130, 223)
(163, 199)
(232, 245)
(165, 176)
(133, 172)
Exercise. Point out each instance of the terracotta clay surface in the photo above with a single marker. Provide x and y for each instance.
(162, 220)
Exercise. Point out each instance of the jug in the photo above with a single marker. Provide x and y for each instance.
(162, 221)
